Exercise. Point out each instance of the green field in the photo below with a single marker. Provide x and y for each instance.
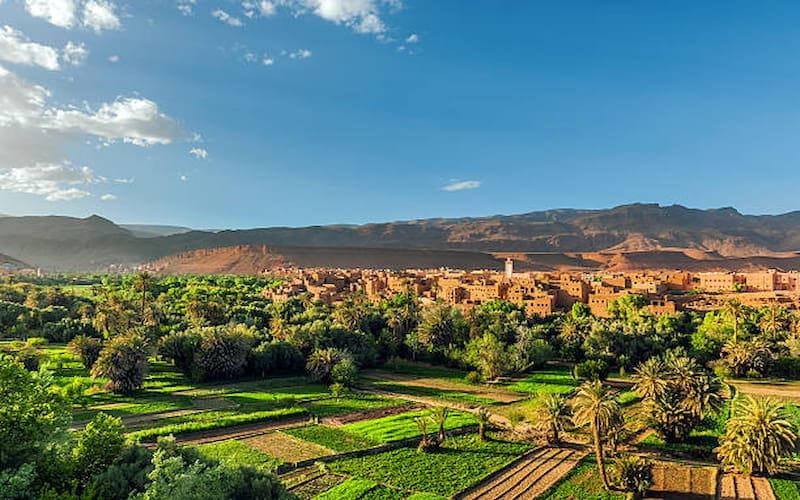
(431, 392)
(460, 462)
(583, 483)
(331, 437)
(550, 381)
(403, 426)
(237, 453)
(785, 489)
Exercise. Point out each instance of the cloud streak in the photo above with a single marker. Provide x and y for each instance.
(454, 186)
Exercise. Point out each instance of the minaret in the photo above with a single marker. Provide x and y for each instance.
(509, 268)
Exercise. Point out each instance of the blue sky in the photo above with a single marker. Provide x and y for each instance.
(347, 111)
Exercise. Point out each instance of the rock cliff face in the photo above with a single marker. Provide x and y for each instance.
(699, 235)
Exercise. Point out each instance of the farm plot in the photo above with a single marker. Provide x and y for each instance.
(287, 448)
(738, 486)
(308, 482)
(442, 388)
(674, 481)
(403, 426)
(529, 477)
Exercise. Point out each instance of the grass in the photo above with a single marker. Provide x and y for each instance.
(582, 482)
(212, 420)
(332, 438)
(431, 392)
(407, 367)
(236, 453)
(700, 444)
(785, 489)
(462, 461)
(403, 426)
(350, 404)
(557, 380)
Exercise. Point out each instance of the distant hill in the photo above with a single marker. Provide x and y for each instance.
(11, 264)
(152, 231)
(578, 236)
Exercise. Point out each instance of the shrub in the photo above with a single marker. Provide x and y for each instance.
(180, 348)
(223, 352)
(632, 474)
(345, 373)
(66, 329)
(787, 367)
(473, 377)
(591, 369)
(86, 348)
(124, 362)
(275, 357)
(99, 445)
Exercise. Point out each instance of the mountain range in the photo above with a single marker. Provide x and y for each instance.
(580, 238)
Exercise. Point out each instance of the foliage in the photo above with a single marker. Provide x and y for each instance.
(595, 406)
(490, 355)
(123, 361)
(758, 435)
(272, 358)
(344, 373)
(632, 474)
(223, 351)
(99, 445)
(32, 414)
(321, 362)
(591, 369)
(180, 347)
(552, 415)
(86, 348)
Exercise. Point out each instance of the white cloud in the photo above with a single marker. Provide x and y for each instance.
(54, 182)
(252, 8)
(100, 15)
(300, 54)
(16, 48)
(461, 186)
(186, 7)
(57, 12)
(183, 178)
(227, 18)
(75, 54)
(97, 15)
(113, 59)
(108, 197)
(199, 153)
(267, 61)
(412, 38)
(35, 135)
(128, 180)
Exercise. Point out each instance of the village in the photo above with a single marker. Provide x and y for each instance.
(544, 293)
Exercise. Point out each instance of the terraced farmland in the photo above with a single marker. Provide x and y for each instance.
(529, 477)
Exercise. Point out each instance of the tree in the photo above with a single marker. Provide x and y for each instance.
(345, 373)
(632, 474)
(99, 445)
(758, 435)
(651, 378)
(86, 348)
(124, 362)
(552, 415)
(736, 310)
(595, 406)
(223, 351)
(142, 282)
(321, 362)
(437, 328)
(439, 416)
(181, 348)
(490, 355)
(32, 414)
(483, 418)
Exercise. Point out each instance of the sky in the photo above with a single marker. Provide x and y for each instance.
(255, 113)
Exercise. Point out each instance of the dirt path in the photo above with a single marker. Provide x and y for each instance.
(529, 477)
(349, 418)
(496, 394)
(783, 390)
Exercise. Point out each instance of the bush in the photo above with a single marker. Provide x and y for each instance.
(473, 377)
(345, 373)
(275, 358)
(223, 352)
(66, 329)
(124, 362)
(99, 445)
(180, 348)
(787, 367)
(86, 348)
(632, 474)
(591, 369)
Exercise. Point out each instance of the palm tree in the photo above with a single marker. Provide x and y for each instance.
(483, 417)
(439, 416)
(651, 378)
(142, 283)
(758, 435)
(737, 311)
(774, 319)
(595, 406)
(552, 414)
